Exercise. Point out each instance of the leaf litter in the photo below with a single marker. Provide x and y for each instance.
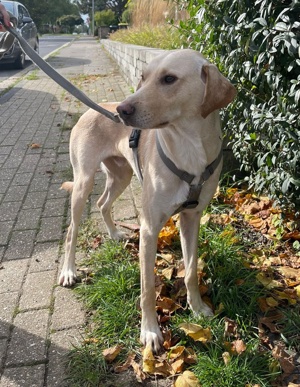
(273, 254)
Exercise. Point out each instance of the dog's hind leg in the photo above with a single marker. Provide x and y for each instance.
(83, 185)
(119, 174)
(189, 231)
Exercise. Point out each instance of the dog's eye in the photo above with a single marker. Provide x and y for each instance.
(169, 79)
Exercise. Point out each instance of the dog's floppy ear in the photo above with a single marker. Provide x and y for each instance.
(219, 92)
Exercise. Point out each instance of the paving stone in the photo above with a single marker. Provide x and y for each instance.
(32, 376)
(3, 346)
(33, 216)
(5, 231)
(20, 245)
(28, 341)
(8, 303)
(9, 210)
(50, 229)
(61, 343)
(12, 275)
(68, 311)
(34, 200)
(45, 257)
(37, 290)
(28, 219)
(124, 209)
(15, 194)
(54, 207)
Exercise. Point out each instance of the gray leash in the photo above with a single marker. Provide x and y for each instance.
(63, 82)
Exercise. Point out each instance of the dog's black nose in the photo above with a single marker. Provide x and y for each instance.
(125, 109)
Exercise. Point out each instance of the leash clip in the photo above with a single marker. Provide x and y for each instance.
(134, 138)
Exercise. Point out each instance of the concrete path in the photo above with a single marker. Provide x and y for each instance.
(38, 320)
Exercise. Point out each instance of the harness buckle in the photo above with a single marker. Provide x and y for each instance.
(134, 138)
(189, 204)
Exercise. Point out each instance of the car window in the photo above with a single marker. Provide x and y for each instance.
(9, 6)
(25, 12)
(20, 14)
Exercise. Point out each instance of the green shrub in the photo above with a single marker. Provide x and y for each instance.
(256, 44)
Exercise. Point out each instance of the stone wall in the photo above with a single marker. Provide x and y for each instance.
(130, 58)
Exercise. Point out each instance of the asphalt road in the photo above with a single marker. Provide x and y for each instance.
(48, 44)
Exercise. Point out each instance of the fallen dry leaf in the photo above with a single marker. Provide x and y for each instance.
(271, 302)
(239, 346)
(230, 328)
(35, 146)
(167, 235)
(126, 365)
(139, 374)
(226, 357)
(289, 272)
(285, 360)
(167, 305)
(235, 347)
(190, 356)
(175, 352)
(148, 360)
(178, 365)
(267, 281)
(196, 332)
(187, 379)
(110, 354)
(168, 272)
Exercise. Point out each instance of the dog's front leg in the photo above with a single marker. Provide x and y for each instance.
(189, 231)
(150, 331)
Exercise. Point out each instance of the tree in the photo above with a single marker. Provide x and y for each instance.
(105, 18)
(45, 12)
(117, 6)
(70, 21)
(37, 9)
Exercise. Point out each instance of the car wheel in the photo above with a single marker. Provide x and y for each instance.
(20, 61)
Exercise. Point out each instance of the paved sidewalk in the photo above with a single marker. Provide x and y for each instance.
(39, 321)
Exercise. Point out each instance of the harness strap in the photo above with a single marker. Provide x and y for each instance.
(185, 176)
(63, 82)
(133, 144)
(195, 189)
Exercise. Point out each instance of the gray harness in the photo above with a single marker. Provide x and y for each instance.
(195, 189)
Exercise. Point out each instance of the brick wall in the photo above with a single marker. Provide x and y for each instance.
(130, 58)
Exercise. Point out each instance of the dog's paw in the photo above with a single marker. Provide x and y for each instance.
(203, 310)
(152, 338)
(118, 235)
(67, 278)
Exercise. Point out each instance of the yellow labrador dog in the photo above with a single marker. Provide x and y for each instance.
(176, 106)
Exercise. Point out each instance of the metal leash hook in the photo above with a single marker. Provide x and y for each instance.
(63, 82)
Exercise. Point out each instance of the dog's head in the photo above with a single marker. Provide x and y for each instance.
(176, 85)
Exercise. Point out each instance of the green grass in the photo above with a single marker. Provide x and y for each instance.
(162, 36)
(290, 323)
(32, 76)
(112, 297)
(233, 285)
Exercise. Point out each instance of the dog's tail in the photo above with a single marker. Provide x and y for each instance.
(67, 186)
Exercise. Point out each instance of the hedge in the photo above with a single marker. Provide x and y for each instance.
(256, 44)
